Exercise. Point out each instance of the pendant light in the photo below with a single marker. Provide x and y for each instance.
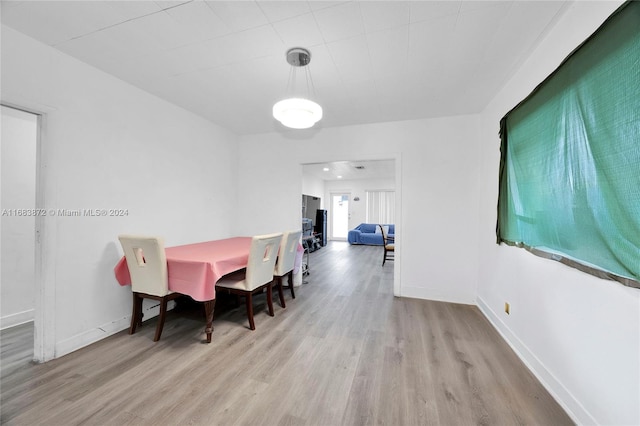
(298, 112)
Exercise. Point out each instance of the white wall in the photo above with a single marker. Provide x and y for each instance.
(18, 142)
(109, 145)
(436, 186)
(314, 187)
(357, 188)
(580, 334)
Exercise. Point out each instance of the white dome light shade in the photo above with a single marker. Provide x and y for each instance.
(297, 113)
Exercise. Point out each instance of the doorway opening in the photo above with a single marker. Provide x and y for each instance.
(343, 187)
(20, 215)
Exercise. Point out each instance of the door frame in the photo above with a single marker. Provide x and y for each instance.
(44, 339)
(44, 322)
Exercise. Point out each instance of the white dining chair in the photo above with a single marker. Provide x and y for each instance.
(257, 276)
(285, 263)
(147, 263)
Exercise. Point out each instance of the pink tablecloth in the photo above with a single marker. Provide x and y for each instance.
(194, 269)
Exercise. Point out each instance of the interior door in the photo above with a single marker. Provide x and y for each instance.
(339, 216)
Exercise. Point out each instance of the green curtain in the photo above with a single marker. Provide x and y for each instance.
(570, 157)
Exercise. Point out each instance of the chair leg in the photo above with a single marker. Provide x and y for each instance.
(161, 317)
(249, 301)
(136, 315)
(384, 257)
(293, 294)
(280, 292)
(270, 298)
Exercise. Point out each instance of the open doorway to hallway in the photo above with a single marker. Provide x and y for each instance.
(343, 188)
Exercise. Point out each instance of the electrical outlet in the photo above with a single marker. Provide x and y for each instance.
(507, 308)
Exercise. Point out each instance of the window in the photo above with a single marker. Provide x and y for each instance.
(570, 158)
(381, 206)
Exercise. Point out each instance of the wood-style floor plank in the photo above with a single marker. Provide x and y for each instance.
(345, 351)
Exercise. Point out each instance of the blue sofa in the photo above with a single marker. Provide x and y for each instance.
(365, 233)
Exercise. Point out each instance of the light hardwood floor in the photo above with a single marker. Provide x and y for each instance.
(344, 352)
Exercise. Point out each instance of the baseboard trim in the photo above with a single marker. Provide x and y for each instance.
(562, 395)
(89, 337)
(18, 318)
(432, 294)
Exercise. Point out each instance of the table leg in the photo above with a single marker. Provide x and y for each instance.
(209, 305)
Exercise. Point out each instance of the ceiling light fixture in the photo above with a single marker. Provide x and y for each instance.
(298, 112)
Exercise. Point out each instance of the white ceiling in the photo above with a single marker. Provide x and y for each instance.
(372, 61)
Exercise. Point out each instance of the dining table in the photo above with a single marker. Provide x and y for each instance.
(194, 269)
